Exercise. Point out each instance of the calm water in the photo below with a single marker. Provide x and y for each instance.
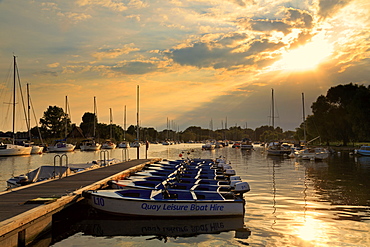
(291, 203)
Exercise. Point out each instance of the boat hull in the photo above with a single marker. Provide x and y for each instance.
(62, 147)
(278, 152)
(65, 149)
(169, 208)
(92, 147)
(14, 150)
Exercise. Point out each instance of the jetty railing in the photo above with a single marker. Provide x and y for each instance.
(60, 164)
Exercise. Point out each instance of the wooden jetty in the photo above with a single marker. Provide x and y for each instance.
(26, 212)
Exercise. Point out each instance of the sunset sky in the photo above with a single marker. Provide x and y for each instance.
(194, 61)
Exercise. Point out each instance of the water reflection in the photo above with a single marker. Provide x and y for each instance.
(85, 221)
(162, 229)
(291, 202)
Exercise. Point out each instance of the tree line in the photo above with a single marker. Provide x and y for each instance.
(341, 116)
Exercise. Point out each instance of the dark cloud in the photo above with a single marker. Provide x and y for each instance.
(295, 18)
(136, 68)
(269, 25)
(263, 46)
(330, 7)
(300, 18)
(204, 55)
(230, 39)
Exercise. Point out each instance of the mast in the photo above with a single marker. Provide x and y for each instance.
(66, 115)
(95, 117)
(28, 112)
(137, 121)
(124, 125)
(14, 71)
(273, 108)
(110, 123)
(304, 119)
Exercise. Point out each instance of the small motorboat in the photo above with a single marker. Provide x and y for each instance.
(166, 203)
(363, 150)
(39, 174)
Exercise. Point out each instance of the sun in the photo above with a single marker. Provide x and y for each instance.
(306, 57)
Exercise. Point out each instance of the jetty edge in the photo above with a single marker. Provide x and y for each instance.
(26, 212)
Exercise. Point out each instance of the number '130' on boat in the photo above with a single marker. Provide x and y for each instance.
(167, 203)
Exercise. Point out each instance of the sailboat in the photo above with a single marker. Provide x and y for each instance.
(91, 144)
(62, 145)
(36, 149)
(124, 144)
(13, 149)
(276, 148)
(310, 153)
(108, 144)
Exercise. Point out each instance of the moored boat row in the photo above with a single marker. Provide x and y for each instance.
(184, 188)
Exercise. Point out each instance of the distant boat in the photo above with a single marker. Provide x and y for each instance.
(36, 149)
(108, 144)
(313, 153)
(91, 144)
(62, 145)
(363, 150)
(124, 144)
(39, 174)
(135, 144)
(13, 149)
(277, 148)
(208, 146)
(246, 144)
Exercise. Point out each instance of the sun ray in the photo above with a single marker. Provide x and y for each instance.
(305, 57)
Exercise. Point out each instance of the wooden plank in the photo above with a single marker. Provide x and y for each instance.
(15, 213)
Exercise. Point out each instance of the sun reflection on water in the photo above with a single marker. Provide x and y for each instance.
(311, 229)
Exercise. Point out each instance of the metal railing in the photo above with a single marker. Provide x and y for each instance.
(60, 164)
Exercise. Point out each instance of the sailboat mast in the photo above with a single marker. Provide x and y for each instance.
(124, 125)
(137, 114)
(137, 123)
(14, 93)
(273, 109)
(65, 115)
(304, 119)
(28, 112)
(110, 123)
(95, 117)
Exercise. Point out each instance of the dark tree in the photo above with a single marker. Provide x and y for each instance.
(55, 123)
